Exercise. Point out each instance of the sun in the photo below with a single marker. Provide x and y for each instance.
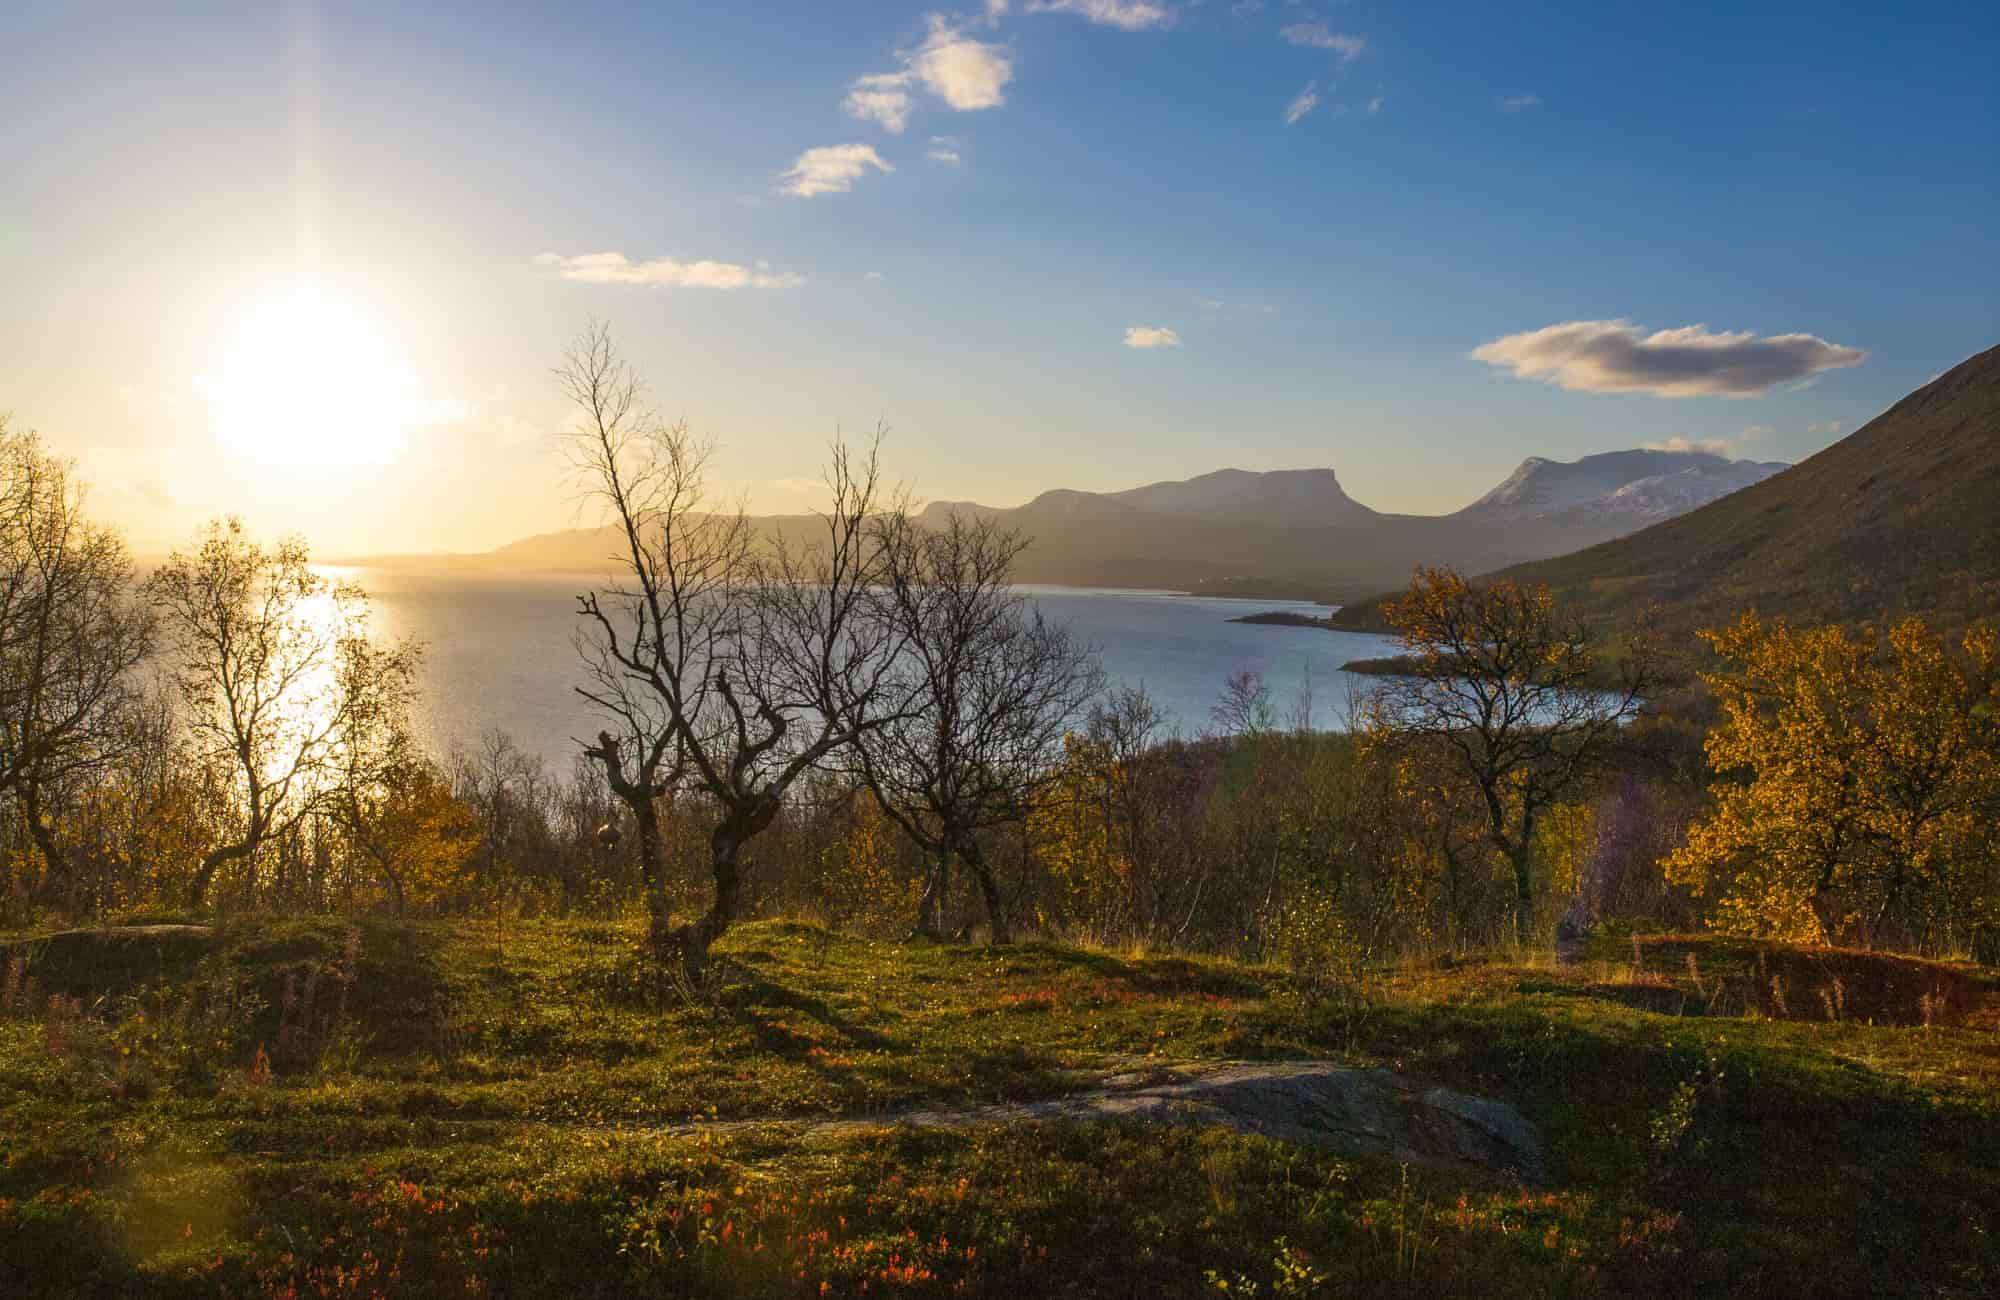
(308, 382)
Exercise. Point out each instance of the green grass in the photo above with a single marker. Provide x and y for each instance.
(504, 1111)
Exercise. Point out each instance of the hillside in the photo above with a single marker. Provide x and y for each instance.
(1282, 532)
(1903, 515)
(462, 1114)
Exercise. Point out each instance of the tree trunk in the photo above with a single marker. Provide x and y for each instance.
(646, 818)
(55, 867)
(930, 909)
(690, 944)
(204, 872)
(996, 907)
(1524, 901)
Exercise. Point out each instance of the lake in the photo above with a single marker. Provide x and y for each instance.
(500, 652)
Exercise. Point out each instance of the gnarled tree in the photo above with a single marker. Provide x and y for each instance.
(988, 688)
(727, 663)
(1507, 687)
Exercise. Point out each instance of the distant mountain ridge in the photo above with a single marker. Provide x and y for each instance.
(1646, 484)
(1279, 532)
(1901, 516)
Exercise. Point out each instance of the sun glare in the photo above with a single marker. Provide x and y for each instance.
(309, 383)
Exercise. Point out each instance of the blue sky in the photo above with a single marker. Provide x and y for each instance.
(1456, 175)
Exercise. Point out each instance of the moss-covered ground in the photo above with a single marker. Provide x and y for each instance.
(310, 1106)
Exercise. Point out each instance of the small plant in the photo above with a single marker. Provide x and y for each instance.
(1670, 1126)
(1778, 994)
(260, 1069)
(60, 1025)
(13, 987)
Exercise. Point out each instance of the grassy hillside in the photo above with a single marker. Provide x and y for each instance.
(297, 1107)
(1903, 515)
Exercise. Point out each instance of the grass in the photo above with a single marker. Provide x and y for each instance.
(505, 1112)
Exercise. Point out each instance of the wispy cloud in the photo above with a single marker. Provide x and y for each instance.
(1218, 306)
(667, 272)
(1825, 428)
(1318, 36)
(1151, 336)
(1518, 103)
(832, 169)
(1616, 356)
(883, 97)
(1375, 104)
(1128, 15)
(944, 149)
(1304, 102)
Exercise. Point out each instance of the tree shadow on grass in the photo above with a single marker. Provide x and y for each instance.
(1159, 976)
(1660, 999)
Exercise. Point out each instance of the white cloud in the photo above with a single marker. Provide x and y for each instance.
(832, 169)
(871, 275)
(995, 11)
(616, 268)
(1824, 428)
(1708, 446)
(1616, 356)
(1517, 103)
(1375, 104)
(1151, 336)
(944, 149)
(1128, 15)
(1305, 102)
(1245, 8)
(964, 73)
(1318, 36)
(883, 97)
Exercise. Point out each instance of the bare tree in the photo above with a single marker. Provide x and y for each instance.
(1244, 707)
(257, 637)
(70, 639)
(988, 687)
(1511, 689)
(725, 662)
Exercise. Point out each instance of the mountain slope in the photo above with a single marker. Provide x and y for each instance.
(1903, 515)
(1641, 485)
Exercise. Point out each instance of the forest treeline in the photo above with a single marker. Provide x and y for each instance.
(874, 728)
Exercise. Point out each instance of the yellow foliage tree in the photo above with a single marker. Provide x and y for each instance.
(1871, 774)
(1072, 825)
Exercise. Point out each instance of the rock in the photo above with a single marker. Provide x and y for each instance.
(1366, 1112)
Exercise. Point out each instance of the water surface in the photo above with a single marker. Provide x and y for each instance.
(501, 655)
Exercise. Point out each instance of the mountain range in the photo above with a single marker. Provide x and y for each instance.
(1901, 516)
(1275, 533)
